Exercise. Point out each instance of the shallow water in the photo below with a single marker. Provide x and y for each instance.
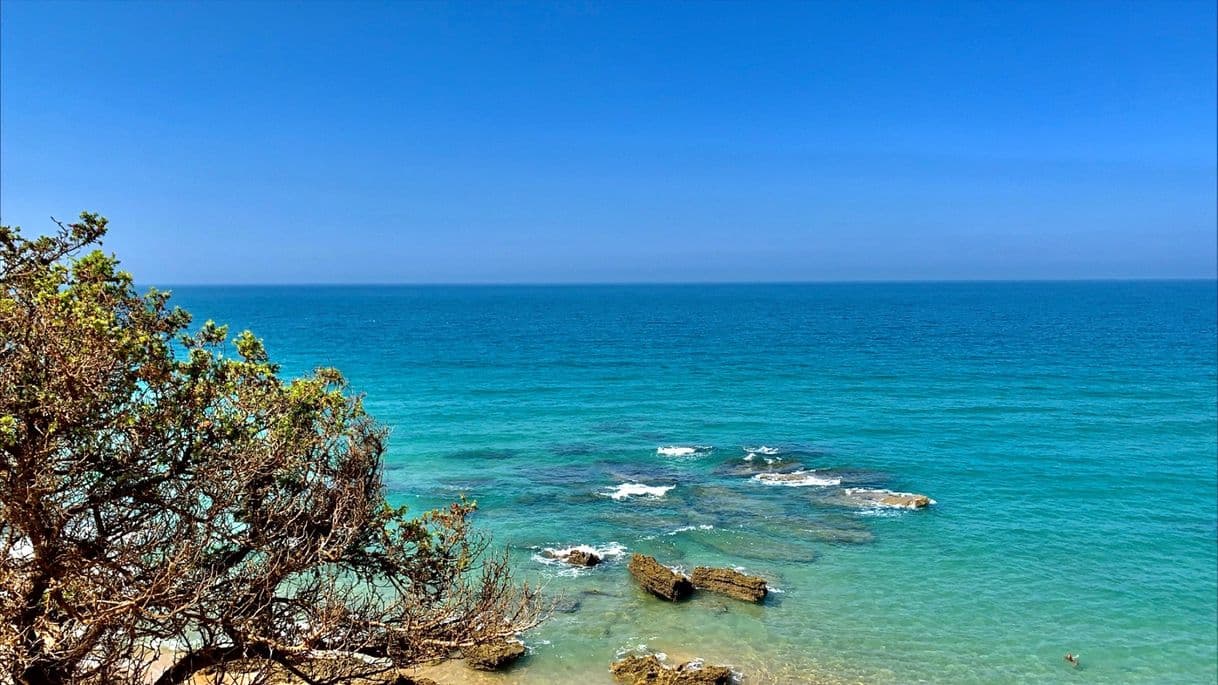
(1067, 432)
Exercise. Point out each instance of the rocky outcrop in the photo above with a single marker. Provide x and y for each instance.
(888, 498)
(658, 579)
(493, 656)
(576, 556)
(777, 477)
(730, 582)
(649, 670)
(580, 557)
(908, 501)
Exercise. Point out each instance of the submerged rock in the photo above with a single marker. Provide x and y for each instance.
(658, 579)
(730, 582)
(493, 656)
(649, 670)
(753, 545)
(841, 534)
(814, 526)
(750, 467)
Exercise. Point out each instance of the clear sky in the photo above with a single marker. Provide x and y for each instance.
(235, 142)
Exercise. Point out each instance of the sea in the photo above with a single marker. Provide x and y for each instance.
(1066, 431)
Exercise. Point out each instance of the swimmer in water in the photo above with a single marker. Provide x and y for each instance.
(1072, 659)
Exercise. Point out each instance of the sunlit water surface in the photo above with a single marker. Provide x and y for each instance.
(1066, 431)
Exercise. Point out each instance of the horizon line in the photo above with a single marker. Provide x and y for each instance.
(565, 284)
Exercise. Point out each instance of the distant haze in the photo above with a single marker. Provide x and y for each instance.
(618, 142)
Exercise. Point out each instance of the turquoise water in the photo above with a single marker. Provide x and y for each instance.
(1066, 431)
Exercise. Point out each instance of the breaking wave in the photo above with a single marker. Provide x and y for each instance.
(796, 479)
(637, 490)
(683, 450)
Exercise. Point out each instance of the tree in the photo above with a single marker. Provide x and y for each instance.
(163, 498)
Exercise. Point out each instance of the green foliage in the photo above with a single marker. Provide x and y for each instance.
(158, 484)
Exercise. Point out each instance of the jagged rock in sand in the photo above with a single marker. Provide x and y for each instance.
(407, 680)
(649, 670)
(658, 579)
(494, 656)
(730, 582)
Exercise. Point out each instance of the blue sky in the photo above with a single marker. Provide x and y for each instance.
(610, 142)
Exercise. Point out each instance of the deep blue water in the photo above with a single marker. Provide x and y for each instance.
(1067, 431)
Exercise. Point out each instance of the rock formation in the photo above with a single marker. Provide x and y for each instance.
(580, 557)
(658, 579)
(648, 670)
(909, 501)
(729, 582)
(888, 498)
(494, 656)
(576, 556)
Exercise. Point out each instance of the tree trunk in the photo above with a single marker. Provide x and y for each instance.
(42, 674)
(208, 657)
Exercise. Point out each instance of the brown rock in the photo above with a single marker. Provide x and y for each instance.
(574, 556)
(658, 579)
(648, 670)
(888, 498)
(493, 656)
(907, 501)
(730, 582)
(579, 557)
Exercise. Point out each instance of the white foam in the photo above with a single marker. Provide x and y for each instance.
(637, 490)
(682, 529)
(797, 479)
(639, 649)
(682, 450)
(558, 555)
(879, 511)
(770, 454)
